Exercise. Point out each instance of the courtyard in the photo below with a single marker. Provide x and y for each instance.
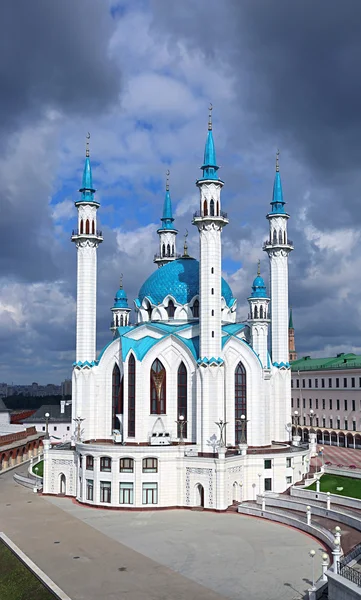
(95, 554)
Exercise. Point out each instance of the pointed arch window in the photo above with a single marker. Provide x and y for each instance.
(131, 396)
(93, 227)
(195, 309)
(217, 208)
(121, 320)
(157, 388)
(117, 395)
(261, 312)
(182, 398)
(255, 312)
(280, 237)
(240, 400)
(275, 236)
(149, 311)
(87, 226)
(170, 309)
(205, 208)
(168, 250)
(81, 226)
(163, 250)
(211, 208)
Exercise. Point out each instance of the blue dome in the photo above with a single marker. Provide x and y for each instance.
(180, 279)
(259, 288)
(120, 300)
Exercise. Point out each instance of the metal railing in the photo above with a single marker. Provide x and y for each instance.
(277, 243)
(347, 558)
(98, 233)
(349, 573)
(198, 214)
(165, 256)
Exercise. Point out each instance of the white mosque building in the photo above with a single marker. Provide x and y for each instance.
(186, 407)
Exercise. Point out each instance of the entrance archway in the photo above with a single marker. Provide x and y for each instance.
(62, 484)
(199, 495)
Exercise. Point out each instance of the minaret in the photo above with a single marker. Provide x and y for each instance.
(291, 338)
(278, 248)
(259, 318)
(120, 310)
(167, 233)
(87, 239)
(210, 221)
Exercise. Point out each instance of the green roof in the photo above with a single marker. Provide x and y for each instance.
(341, 361)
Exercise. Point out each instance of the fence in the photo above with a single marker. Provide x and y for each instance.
(349, 573)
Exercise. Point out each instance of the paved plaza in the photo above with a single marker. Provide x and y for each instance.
(95, 554)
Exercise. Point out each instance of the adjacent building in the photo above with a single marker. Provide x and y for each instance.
(57, 425)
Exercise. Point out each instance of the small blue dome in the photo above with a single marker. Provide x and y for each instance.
(120, 300)
(180, 279)
(259, 288)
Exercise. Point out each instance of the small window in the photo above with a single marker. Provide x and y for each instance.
(323, 404)
(310, 383)
(90, 489)
(126, 465)
(289, 479)
(150, 493)
(345, 382)
(304, 420)
(323, 422)
(195, 309)
(43, 428)
(80, 460)
(68, 428)
(316, 383)
(338, 424)
(317, 422)
(298, 403)
(310, 401)
(330, 383)
(291, 383)
(346, 424)
(303, 383)
(126, 492)
(353, 425)
(353, 405)
(105, 491)
(212, 291)
(212, 334)
(268, 463)
(105, 464)
(212, 270)
(316, 401)
(359, 381)
(90, 463)
(55, 428)
(322, 383)
(212, 314)
(331, 423)
(304, 402)
(268, 484)
(288, 462)
(352, 382)
(150, 465)
(337, 382)
(345, 403)
(330, 403)
(297, 383)
(291, 402)
(338, 404)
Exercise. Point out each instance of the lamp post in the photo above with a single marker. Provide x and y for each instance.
(243, 421)
(78, 430)
(222, 425)
(296, 419)
(311, 415)
(312, 555)
(181, 425)
(47, 417)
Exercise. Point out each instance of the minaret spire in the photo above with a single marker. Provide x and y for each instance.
(209, 166)
(167, 232)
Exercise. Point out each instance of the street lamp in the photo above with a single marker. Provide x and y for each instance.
(322, 458)
(243, 421)
(222, 425)
(311, 415)
(181, 425)
(47, 417)
(296, 419)
(312, 555)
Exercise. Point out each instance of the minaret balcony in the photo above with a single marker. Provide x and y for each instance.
(166, 257)
(270, 244)
(222, 215)
(76, 233)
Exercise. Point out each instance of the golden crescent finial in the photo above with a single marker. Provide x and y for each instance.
(277, 161)
(121, 281)
(167, 180)
(259, 268)
(210, 108)
(87, 144)
(185, 247)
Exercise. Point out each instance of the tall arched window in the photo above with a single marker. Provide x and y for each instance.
(205, 208)
(168, 250)
(87, 226)
(280, 237)
(211, 207)
(240, 400)
(81, 226)
(275, 236)
(163, 250)
(149, 311)
(182, 398)
(261, 312)
(157, 388)
(131, 396)
(217, 208)
(121, 320)
(170, 309)
(93, 227)
(255, 312)
(195, 309)
(117, 393)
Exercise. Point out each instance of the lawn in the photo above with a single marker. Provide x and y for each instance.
(17, 582)
(330, 483)
(40, 466)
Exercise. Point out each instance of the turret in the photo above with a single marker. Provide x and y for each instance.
(120, 309)
(167, 233)
(259, 318)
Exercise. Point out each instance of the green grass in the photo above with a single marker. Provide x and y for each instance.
(40, 470)
(329, 483)
(17, 582)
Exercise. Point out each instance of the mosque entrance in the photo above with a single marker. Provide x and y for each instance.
(200, 495)
(62, 484)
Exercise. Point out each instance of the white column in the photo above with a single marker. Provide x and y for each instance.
(279, 305)
(86, 301)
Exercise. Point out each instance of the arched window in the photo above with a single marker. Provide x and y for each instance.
(121, 320)
(212, 291)
(117, 394)
(212, 270)
(131, 396)
(116, 321)
(157, 388)
(205, 208)
(168, 250)
(261, 312)
(211, 208)
(212, 313)
(274, 236)
(81, 226)
(284, 238)
(217, 208)
(170, 309)
(163, 250)
(149, 311)
(280, 237)
(182, 399)
(255, 312)
(240, 401)
(93, 227)
(195, 309)
(87, 226)
(173, 250)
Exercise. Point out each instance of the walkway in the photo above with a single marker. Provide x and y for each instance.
(162, 555)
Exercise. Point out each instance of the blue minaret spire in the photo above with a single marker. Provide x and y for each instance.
(167, 232)
(167, 218)
(278, 204)
(87, 190)
(209, 166)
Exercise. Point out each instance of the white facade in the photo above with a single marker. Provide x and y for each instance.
(186, 407)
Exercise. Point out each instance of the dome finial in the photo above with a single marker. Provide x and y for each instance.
(167, 181)
(259, 268)
(121, 281)
(210, 108)
(87, 154)
(277, 161)
(185, 247)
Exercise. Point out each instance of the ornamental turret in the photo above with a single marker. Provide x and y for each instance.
(87, 239)
(120, 309)
(278, 247)
(167, 233)
(259, 318)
